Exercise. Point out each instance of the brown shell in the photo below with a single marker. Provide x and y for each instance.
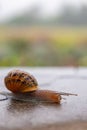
(20, 81)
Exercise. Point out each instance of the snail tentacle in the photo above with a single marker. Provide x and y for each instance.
(67, 94)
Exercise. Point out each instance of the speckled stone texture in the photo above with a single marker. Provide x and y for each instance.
(69, 115)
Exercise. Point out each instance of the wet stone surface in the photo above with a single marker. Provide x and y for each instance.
(70, 114)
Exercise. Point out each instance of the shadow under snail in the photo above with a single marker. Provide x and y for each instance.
(24, 87)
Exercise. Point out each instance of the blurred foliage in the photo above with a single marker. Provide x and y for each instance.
(28, 39)
(52, 47)
(68, 16)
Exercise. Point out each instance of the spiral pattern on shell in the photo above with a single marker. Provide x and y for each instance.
(19, 81)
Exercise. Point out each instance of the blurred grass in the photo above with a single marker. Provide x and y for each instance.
(63, 34)
(43, 46)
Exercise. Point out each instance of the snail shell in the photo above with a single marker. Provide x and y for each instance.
(19, 81)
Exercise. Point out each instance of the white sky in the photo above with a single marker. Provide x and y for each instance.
(9, 8)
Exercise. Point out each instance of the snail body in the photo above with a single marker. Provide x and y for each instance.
(23, 85)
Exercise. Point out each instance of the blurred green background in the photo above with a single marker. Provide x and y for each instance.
(29, 40)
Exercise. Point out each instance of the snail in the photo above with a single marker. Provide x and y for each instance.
(24, 86)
